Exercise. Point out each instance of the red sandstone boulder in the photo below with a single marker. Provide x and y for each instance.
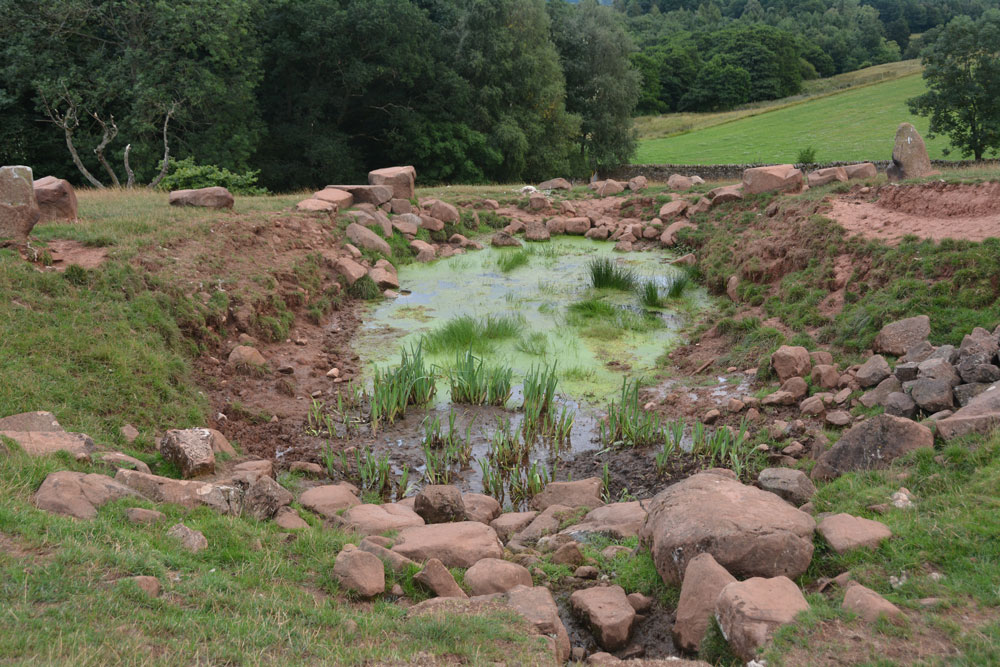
(19, 210)
(704, 579)
(400, 179)
(459, 544)
(214, 197)
(777, 178)
(750, 611)
(56, 199)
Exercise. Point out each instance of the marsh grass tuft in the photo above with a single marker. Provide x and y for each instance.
(606, 273)
(393, 390)
(628, 424)
(473, 382)
(364, 288)
(470, 333)
(508, 260)
(600, 319)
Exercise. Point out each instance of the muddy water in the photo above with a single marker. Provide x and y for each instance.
(590, 370)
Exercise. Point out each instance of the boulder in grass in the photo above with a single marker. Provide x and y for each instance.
(56, 199)
(579, 493)
(359, 571)
(439, 580)
(213, 197)
(459, 544)
(190, 450)
(845, 533)
(316, 206)
(607, 611)
(896, 338)
(862, 171)
(750, 611)
(704, 579)
(19, 210)
(791, 361)
(679, 182)
(445, 212)
(555, 184)
(827, 175)
(777, 178)
(868, 604)
(872, 444)
(78, 494)
(440, 503)
(980, 415)
(493, 575)
(365, 238)
(376, 195)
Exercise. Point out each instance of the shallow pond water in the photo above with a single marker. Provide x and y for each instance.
(590, 368)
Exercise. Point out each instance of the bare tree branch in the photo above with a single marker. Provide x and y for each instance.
(166, 148)
(109, 135)
(128, 170)
(68, 121)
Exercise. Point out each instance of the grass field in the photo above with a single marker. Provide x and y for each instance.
(857, 124)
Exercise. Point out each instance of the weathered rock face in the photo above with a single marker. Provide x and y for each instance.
(607, 611)
(351, 270)
(264, 498)
(536, 231)
(620, 520)
(868, 604)
(341, 199)
(503, 239)
(778, 178)
(909, 155)
(316, 206)
(440, 503)
(679, 182)
(555, 184)
(511, 523)
(445, 212)
(480, 507)
(861, 171)
(56, 199)
(637, 183)
(191, 539)
(186, 493)
(898, 337)
(704, 579)
(846, 533)
(376, 195)
(190, 450)
(214, 197)
(872, 444)
(790, 484)
(582, 493)
(673, 209)
(438, 579)
(359, 571)
(375, 519)
(791, 361)
(980, 415)
(873, 371)
(608, 188)
(329, 499)
(18, 209)
(459, 544)
(537, 607)
(492, 575)
(750, 611)
(78, 494)
(748, 531)
(367, 239)
(577, 225)
(401, 179)
(827, 175)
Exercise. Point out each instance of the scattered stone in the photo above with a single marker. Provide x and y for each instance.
(568, 554)
(440, 503)
(846, 533)
(679, 182)
(504, 240)
(750, 611)
(78, 494)
(608, 188)
(812, 406)
(117, 460)
(838, 418)
(328, 500)
(39, 433)
(790, 484)
(868, 604)
(192, 540)
(213, 197)
(581, 493)
(138, 515)
(607, 612)
(365, 238)
(376, 195)
(459, 544)
(316, 206)
(932, 395)
(673, 209)
(748, 531)
(980, 415)
(190, 450)
(777, 178)
(795, 386)
(788, 361)
(264, 498)
(872, 444)
(637, 183)
(148, 585)
(307, 468)
(704, 580)
(825, 376)
(244, 357)
(827, 175)
(862, 171)
(438, 579)
(56, 199)
(186, 493)
(873, 371)
(287, 518)
(359, 571)
(880, 394)
(492, 575)
(577, 226)
(547, 522)
(613, 551)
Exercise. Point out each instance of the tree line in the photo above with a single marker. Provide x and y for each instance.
(311, 92)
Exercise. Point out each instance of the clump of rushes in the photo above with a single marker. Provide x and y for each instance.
(409, 383)
(535, 344)
(649, 294)
(606, 273)
(677, 282)
(445, 451)
(511, 259)
(473, 382)
(470, 333)
(728, 448)
(627, 424)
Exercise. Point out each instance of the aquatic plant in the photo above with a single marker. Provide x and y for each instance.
(628, 424)
(606, 273)
(473, 382)
(508, 260)
(394, 389)
(466, 332)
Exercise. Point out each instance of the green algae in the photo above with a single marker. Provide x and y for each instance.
(592, 358)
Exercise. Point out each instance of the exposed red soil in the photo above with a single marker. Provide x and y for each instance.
(931, 210)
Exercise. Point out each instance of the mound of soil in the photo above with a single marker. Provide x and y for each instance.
(930, 210)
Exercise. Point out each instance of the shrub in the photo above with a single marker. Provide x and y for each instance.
(186, 175)
(806, 155)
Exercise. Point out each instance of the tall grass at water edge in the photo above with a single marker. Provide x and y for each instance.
(394, 389)
(606, 273)
(473, 382)
(467, 332)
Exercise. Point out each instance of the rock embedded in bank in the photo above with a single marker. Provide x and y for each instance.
(190, 450)
(845, 533)
(872, 444)
(777, 178)
(748, 612)
(359, 571)
(365, 238)
(704, 580)
(79, 494)
(898, 337)
(459, 544)
(440, 503)
(580, 493)
(493, 575)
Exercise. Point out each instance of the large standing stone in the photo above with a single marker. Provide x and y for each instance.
(846, 533)
(704, 579)
(909, 155)
(581, 493)
(898, 337)
(777, 178)
(608, 613)
(750, 611)
(459, 544)
(872, 444)
(56, 199)
(359, 571)
(18, 208)
(366, 238)
(213, 197)
(190, 450)
(748, 531)
(78, 494)
(400, 179)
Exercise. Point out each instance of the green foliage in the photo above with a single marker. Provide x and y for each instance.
(395, 389)
(186, 175)
(600, 319)
(508, 260)
(365, 288)
(806, 155)
(628, 424)
(472, 381)
(962, 73)
(606, 273)
(470, 333)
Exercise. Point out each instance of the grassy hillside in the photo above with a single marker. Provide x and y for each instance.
(857, 124)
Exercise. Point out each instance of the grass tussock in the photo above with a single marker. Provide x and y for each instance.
(606, 273)
(508, 260)
(467, 332)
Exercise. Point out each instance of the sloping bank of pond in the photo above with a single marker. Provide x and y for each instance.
(489, 327)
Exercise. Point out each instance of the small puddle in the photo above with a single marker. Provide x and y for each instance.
(590, 364)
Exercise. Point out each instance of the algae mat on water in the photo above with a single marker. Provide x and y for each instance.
(592, 355)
